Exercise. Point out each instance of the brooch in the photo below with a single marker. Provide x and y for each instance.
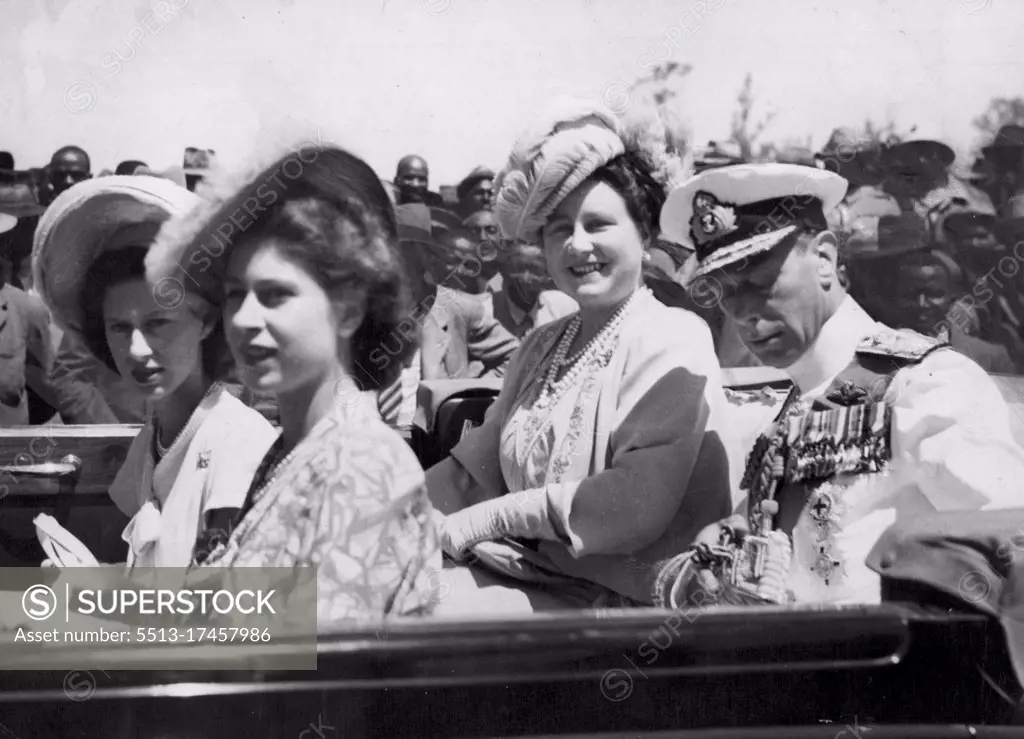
(204, 460)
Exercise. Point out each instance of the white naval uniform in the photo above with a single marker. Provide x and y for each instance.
(952, 449)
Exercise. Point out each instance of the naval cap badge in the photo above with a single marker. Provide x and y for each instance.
(711, 219)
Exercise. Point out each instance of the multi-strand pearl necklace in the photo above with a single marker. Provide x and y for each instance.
(602, 343)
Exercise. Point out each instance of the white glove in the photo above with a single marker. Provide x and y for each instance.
(63, 549)
(510, 515)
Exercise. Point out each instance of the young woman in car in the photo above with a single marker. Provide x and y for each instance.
(607, 447)
(200, 445)
(310, 289)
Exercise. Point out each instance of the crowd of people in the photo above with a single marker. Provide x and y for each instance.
(270, 329)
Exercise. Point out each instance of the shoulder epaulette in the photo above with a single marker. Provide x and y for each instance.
(903, 344)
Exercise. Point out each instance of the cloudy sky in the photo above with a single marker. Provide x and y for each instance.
(455, 80)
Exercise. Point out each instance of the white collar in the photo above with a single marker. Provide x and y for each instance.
(834, 348)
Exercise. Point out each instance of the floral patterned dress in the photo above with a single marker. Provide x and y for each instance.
(349, 500)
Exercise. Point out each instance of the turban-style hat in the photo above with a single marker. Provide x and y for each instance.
(569, 142)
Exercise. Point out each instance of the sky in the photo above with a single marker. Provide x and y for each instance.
(456, 80)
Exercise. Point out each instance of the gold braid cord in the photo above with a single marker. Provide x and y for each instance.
(751, 572)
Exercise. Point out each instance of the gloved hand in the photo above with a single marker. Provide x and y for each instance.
(711, 535)
(509, 515)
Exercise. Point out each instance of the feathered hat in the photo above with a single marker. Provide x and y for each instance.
(568, 142)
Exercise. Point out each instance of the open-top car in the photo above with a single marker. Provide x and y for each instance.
(921, 664)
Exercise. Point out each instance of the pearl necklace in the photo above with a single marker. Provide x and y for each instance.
(161, 450)
(599, 346)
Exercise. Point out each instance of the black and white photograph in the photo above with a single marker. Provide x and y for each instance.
(511, 368)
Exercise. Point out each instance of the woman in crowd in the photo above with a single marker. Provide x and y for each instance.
(310, 289)
(200, 446)
(607, 447)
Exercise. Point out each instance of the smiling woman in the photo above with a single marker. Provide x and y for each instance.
(607, 447)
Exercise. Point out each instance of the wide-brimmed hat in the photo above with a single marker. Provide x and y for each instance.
(970, 207)
(730, 213)
(196, 247)
(93, 217)
(1008, 140)
(919, 153)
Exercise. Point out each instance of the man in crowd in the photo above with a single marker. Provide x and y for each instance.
(923, 286)
(412, 182)
(26, 357)
(928, 416)
(527, 297)
(475, 192)
(991, 273)
(1003, 163)
(483, 227)
(918, 176)
(469, 273)
(68, 166)
(460, 337)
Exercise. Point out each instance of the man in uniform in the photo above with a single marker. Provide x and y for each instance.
(881, 425)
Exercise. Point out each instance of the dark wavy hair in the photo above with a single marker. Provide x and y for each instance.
(113, 268)
(334, 220)
(630, 176)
